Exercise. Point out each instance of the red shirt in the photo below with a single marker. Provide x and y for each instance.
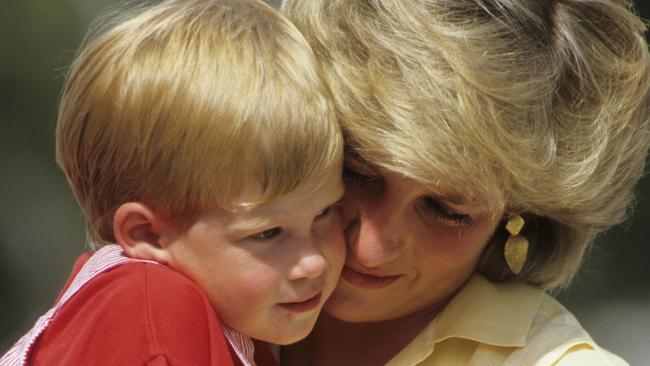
(137, 314)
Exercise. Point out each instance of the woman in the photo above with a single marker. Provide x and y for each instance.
(489, 142)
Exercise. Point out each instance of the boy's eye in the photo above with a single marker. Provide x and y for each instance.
(431, 207)
(267, 234)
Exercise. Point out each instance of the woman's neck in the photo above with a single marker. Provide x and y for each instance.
(335, 342)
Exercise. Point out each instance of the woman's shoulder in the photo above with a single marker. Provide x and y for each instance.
(504, 324)
(549, 334)
(556, 337)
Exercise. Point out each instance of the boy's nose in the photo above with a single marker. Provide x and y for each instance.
(310, 264)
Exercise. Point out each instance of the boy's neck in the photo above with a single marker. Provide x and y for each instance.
(335, 342)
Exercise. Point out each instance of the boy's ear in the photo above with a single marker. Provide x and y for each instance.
(141, 233)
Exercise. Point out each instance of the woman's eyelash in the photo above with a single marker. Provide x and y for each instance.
(447, 216)
(329, 210)
(267, 234)
(430, 206)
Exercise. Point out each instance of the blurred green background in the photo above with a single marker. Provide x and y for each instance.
(42, 231)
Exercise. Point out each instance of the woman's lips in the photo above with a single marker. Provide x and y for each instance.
(303, 306)
(365, 280)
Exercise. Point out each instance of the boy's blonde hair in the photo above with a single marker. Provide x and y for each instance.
(184, 104)
(527, 106)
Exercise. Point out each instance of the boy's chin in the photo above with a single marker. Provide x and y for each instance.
(285, 341)
(290, 336)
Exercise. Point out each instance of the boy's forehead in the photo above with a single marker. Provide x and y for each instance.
(310, 197)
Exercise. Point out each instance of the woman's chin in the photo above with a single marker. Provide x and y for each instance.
(348, 310)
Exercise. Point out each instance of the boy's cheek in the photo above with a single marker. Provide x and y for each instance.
(256, 283)
(241, 296)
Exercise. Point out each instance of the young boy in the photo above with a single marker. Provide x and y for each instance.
(202, 146)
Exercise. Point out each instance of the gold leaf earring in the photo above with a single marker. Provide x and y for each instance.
(516, 248)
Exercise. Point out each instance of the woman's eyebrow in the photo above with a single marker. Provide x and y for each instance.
(350, 151)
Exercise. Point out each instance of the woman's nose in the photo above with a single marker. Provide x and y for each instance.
(372, 230)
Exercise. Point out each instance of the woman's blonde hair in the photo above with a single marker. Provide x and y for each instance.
(184, 104)
(539, 107)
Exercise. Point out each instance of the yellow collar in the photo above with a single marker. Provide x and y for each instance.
(478, 312)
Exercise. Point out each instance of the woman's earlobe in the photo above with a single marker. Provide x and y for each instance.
(138, 230)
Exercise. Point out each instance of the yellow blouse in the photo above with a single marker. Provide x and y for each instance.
(497, 324)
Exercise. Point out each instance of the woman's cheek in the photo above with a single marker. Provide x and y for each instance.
(334, 244)
(458, 244)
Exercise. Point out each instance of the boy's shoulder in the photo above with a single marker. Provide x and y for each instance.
(136, 313)
(155, 283)
(154, 290)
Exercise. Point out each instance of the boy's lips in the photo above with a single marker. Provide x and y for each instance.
(308, 304)
(366, 279)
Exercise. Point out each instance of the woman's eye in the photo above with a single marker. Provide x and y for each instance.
(267, 234)
(328, 211)
(324, 212)
(352, 176)
(433, 208)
